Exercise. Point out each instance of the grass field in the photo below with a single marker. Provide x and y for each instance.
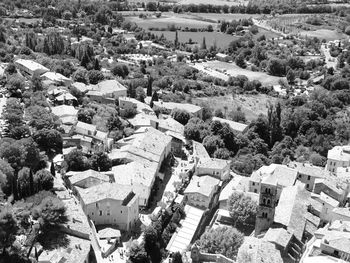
(233, 70)
(327, 34)
(226, 17)
(166, 21)
(222, 40)
(251, 105)
(213, 2)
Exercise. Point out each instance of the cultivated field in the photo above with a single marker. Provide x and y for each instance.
(251, 105)
(222, 40)
(233, 70)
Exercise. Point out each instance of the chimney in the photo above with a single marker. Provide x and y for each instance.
(198, 184)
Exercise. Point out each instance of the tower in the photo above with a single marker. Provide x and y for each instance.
(267, 203)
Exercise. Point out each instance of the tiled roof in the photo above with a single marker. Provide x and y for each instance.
(255, 250)
(76, 177)
(203, 185)
(104, 191)
(344, 211)
(64, 110)
(236, 126)
(171, 124)
(291, 209)
(199, 150)
(191, 108)
(309, 169)
(213, 163)
(279, 236)
(339, 153)
(110, 86)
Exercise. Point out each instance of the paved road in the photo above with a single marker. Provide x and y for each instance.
(330, 61)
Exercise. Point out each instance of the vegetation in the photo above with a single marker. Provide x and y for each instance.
(221, 240)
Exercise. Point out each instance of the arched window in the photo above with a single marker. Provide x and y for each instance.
(268, 201)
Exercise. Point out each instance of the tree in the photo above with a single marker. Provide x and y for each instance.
(43, 180)
(15, 86)
(181, 116)
(120, 70)
(203, 45)
(76, 161)
(49, 140)
(221, 240)
(137, 253)
(276, 67)
(11, 69)
(212, 143)
(237, 115)
(37, 85)
(151, 243)
(140, 94)
(240, 61)
(95, 76)
(7, 177)
(51, 212)
(177, 258)
(242, 209)
(24, 185)
(86, 115)
(100, 162)
(149, 86)
(317, 159)
(290, 76)
(8, 228)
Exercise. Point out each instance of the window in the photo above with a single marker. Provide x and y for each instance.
(92, 213)
(308, 178)
(264, 201)
(307, 186)
(121, 212)
(268, 201)
(100, 212)
(255, 191)
(108, 213)
(96, 205)
(253, 183)
(299, 175)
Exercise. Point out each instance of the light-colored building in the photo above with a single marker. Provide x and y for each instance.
(328, 204)
(279, 175)
(329, 244)
(151, 145)
(238, 184)
(217, 168)
(237, 127)
(201, 190)
(110, 204)
(140, 176)
(89, 178)
(186, 232)
(195, 110)
(338, 156)
(308, 173)
(199, 151)
(337, 188)
(67, 114)
(127, 104)
(170, 124)
(110, 89)
(30, 66)
(223, 57)
(57, 78)
(76, 231)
